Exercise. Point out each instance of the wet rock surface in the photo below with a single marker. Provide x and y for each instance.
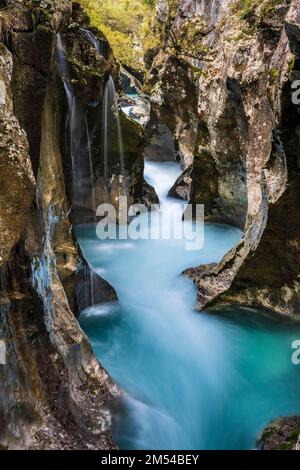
(16, 178)
(282, 434)
(221, 85)
(237, 63)
(159, 142)
(54, 393)
(91, 289)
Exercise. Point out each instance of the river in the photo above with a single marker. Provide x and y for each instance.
(191, 380)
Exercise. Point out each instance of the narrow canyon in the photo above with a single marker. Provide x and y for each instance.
(142, 344)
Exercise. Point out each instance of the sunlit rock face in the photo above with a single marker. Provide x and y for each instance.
(222, 83)
(16, 178)
(54, 394)
(202, 105)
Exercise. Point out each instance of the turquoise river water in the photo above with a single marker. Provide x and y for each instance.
(191, 380)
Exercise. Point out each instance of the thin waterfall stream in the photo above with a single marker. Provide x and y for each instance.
(111, 126)
(85, 190)
(79, 143)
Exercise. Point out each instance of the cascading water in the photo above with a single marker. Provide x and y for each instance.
(112, 140)
(78, 137)
(92, 39)
(98, 44)
(70, 122)
(194, 381)
(79, 141)
(83, 186)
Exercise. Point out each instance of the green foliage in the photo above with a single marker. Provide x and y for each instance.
(291, 64)
(187, 40)
(269, 5)
(290, 443)
(247, 8)
(127, 24)
(274, 74)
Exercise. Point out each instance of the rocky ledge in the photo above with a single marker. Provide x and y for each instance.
(282, 434)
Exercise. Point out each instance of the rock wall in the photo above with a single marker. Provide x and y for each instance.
(54, 393)
(222, 82)
(282, 434)
(16, 179)
(201, 104)
(237, 132)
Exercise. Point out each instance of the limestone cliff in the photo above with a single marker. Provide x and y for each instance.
(222, 83)
(54, 393)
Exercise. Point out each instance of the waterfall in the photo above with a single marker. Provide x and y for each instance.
(99, 44)
(91, 168)
(111, 131)
(92, 39)
(78, 137)
(80, 149)
(65, 75)
(64, 69)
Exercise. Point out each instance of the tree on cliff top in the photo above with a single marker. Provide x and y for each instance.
(127, 26)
